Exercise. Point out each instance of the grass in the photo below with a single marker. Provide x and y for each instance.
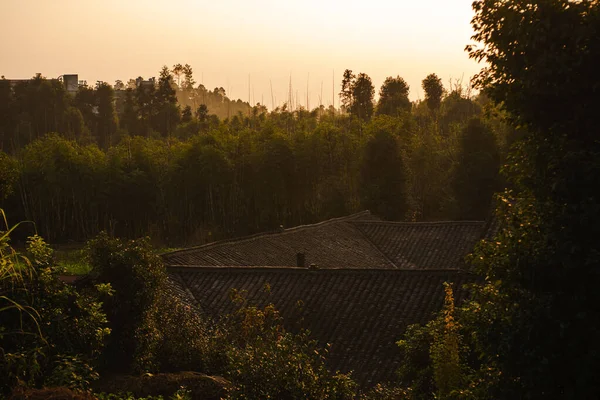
(72, 260)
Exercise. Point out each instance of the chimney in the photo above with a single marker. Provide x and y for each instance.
(300, 260)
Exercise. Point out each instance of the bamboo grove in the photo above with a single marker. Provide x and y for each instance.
(159, 159)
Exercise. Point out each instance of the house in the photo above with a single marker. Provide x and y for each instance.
(368, 282)
(357, 241)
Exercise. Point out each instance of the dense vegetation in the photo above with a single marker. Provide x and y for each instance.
(530, 329)
(179, 176)
(124, 318)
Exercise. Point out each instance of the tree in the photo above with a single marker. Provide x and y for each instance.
(129, 120)
(457, 108)
(107, 119)
(52, 332)
(476, 176)
(433, 356)
(186, 114)
(362, 97)
(346, 95)
(44, 104)
(393, 97)
(535, 320)
(7, 117)
(188, 82)
(382, 177)
(434, 90)
(166, 111)
(145, 106)
(266, 361)
(178, 71)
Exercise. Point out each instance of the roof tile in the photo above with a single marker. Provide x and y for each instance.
(361, 312)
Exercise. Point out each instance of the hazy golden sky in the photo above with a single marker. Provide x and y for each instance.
(227, 40)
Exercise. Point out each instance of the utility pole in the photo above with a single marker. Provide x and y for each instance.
(333, 89)
(272, 98)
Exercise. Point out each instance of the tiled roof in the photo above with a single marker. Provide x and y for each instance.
(424, 245)
(330, 244)
(357, 241)
(360, 312)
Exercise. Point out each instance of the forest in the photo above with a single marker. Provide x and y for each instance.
(154, 166)
(524, 149)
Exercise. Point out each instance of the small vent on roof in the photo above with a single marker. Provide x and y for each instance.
(300, 260)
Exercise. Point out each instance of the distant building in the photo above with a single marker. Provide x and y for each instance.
(70, 81)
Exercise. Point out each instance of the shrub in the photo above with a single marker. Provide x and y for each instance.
(47, 323)
(265, 361)
(153, 330)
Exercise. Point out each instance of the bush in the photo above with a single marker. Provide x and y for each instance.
(196, 386)
(58, 393)
(52, 332)
(153, 330)
(265, 361)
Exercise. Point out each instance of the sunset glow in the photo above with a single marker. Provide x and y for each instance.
(228, 41)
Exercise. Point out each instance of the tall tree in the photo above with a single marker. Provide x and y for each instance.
(536, 319)
(129, 119)
(178, 70)
(346, 94)
(434, 90)
(393, 97)
(383, 178)
(188, 81)
(7, 117)
(166, 110)
(362, 97)
(476, 176)
(107, 119)
(145, 101)
(186, 114)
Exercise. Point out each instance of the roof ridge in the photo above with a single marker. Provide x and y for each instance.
(177, 281)
(347, 218)
(375, 246)
(423, 223)
(187, 268)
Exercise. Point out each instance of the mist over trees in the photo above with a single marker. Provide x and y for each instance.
(152, 157)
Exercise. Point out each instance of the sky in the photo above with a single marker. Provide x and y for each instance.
(241, 45)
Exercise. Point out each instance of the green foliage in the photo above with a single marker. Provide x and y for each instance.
(51, 332)
(204, 179)
(434, 356)
(151, 328)
(9, 174)
(416, 370)
(382, 177)
(72, 372)
(393, 97)
(346, 95)
(387, 392)
(181, 394)
(71, 260)
(265, 361)
(476, 177)
(541, 269)
(434, 90)
(362, 97)
(445, 349)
